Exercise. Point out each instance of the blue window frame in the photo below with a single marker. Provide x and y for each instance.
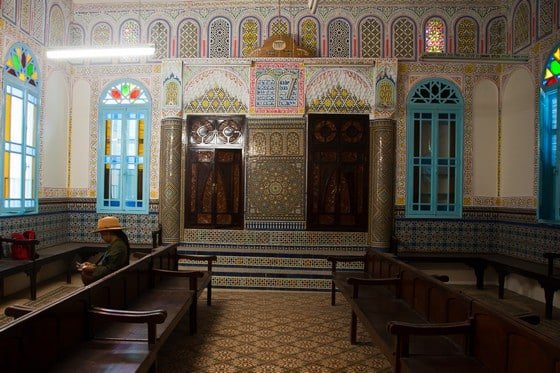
(19, 129)
(124, 148)
(434, 149)
(549, 179)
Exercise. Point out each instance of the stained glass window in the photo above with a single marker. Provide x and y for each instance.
(435, 36)
(125, 93)
(20, 128)
(549, 178)
(21, 64)
(124, 143)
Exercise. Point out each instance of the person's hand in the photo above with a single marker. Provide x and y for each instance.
(86, 267)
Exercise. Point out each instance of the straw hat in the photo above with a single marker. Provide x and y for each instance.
(108, 223)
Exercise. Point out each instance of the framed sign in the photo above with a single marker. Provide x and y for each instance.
(277, 87)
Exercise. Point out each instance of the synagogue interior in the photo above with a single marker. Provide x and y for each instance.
(294, 143)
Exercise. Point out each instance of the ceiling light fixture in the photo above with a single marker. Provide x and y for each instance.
(101, 52)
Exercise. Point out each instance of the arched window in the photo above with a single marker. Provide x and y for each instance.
(20, 122)
(434, 148)
(434, 36)
(124, 148)
(549, 177)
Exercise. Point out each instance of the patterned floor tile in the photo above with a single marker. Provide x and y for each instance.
(261, 332)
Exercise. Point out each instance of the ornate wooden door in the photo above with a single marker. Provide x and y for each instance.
(337, 187)
(214, 175)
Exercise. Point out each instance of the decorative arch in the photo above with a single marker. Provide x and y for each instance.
(521, 25)
(339, 38)
(403, 30)
(371, 36)
(188, 38)
(219, 37)
(279, 26)
(309, 29)
(250, 35)
(466, 35)
(159, 34)
(56, 26)
(496, 36)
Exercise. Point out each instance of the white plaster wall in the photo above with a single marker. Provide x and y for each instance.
(80, 139)
(518, 135)
(55, 132)
(485, 139)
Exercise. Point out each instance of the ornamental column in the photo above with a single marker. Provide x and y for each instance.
(170, 178)
(382, 169)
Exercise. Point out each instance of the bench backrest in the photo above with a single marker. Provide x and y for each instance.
(505, 344)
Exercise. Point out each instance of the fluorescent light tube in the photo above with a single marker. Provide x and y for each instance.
(100, 52)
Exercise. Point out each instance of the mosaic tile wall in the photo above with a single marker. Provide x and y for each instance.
(74, 220)
(487, 230)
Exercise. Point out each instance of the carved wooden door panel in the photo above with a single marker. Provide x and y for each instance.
(338, 159)
(214, 188)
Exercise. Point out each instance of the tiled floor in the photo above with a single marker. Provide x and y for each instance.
(275, 331)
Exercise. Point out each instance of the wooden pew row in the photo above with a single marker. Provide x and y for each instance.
(195, 281)
(118, 322)
(504, 265)
(422, 325)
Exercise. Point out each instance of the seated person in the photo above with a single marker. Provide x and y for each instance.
(115, 257)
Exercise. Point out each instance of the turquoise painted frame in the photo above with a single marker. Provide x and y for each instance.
(434, 108)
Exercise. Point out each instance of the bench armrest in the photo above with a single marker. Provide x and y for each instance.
(404, 330)
(357, 282)
(199, 258)
(17, 310)
(151, 318)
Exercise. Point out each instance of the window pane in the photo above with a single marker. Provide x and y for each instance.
(443, 138)
(15, 129)
(29, 172)
(426, 185)
(443, 185)
(15, 177)
(426, 138)
(30, 125)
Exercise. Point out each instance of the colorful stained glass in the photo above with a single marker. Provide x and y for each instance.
(125, 93)
(435, 36)
(552, 69)
(21, 65)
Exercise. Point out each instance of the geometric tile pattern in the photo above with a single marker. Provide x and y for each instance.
(271, 332)
(521, 26)
(275, 188)
(467, 36)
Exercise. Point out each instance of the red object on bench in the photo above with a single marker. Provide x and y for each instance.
(20, 250)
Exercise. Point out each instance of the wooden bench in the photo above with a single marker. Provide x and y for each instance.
(499, 342)
(99, 327)
(504, 265)
(66, 252)
(423, 325)
(194, 280)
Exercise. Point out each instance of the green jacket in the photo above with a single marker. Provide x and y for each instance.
(114, 258)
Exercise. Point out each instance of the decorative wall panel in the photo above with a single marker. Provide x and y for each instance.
(276, 170)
